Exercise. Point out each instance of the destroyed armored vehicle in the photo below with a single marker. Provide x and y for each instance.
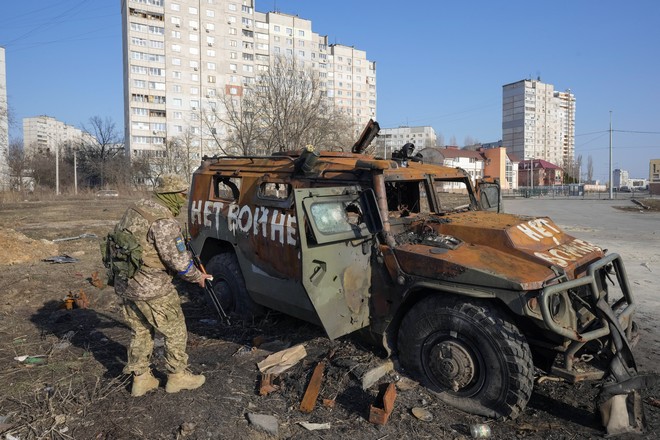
(412, 255)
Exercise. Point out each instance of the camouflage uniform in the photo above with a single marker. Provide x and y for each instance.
(150, 300)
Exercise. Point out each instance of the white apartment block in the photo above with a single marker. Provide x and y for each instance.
(41, 133)
(4, 124)
(392, 139)
(538, 122)
(182, 56)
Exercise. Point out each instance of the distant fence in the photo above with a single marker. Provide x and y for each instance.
(569, 191)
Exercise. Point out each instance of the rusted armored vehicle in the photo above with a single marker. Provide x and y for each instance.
(416, 258)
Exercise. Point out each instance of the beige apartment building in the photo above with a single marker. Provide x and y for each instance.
(538, 122)
(41, 133)
(182, 56)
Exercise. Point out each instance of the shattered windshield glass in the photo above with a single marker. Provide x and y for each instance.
(333, 217)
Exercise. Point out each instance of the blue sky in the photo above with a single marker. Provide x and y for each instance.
(440, 63)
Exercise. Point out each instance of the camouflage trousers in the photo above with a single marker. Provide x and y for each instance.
(161, 314)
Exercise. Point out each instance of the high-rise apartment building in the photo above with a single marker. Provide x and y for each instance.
(4, 124)
(538, 122)
(182, 56)
(41, 133)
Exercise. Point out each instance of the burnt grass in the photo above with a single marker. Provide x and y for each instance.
(77, 390)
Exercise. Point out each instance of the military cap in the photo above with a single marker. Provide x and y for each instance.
(171, 183)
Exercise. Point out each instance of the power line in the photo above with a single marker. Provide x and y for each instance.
(593, 132)
(53, 21)
(638, 132)
(623, 148)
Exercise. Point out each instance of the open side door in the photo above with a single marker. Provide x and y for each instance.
(336, 228)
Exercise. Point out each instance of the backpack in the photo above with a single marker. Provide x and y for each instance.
(122, 255)
(121, 251)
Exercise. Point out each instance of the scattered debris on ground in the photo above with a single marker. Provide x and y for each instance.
(61, 367)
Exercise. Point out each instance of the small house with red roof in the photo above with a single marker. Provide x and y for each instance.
(538, 172)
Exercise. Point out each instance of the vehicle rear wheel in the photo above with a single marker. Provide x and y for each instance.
(469, 353)
(229, 287)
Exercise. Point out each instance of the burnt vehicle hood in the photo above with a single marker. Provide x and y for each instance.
(500, 250)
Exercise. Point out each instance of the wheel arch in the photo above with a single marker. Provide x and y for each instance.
(419, 292)
(213, 246)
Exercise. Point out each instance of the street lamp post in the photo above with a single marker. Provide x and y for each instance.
(57, 169)
(75, 171)
(611, 195)
(531, 176)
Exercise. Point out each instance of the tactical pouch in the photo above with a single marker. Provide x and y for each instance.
(122, 255)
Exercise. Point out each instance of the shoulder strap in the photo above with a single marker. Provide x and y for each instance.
(149, 216)
(150, 257)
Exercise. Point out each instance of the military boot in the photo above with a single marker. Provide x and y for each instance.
(143, 383)
(183, 381)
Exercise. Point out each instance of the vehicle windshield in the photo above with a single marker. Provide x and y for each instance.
(452, 195)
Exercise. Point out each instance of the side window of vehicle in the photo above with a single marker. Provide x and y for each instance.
(276, 194)
(335, 218)
(452, 195)
(406, 198)
(226, 188)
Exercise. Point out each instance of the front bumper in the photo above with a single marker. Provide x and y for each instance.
(623, 308)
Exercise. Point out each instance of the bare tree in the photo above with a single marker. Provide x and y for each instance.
(186, 152)
(440, 140)
(285, 109)
(469, 141)
(102, 144)
(242, 117)
(578, 169)
(590, 169)
(19, 165)
(177, 158)
(43, 172)
(6, 121)
(452, 141)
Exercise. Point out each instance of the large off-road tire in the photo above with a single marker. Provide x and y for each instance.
(229, 287)
(469, 353)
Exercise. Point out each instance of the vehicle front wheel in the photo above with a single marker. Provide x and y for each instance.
(469, 353)
(229, 286)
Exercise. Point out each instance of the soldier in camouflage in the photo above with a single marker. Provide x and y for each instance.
(150, 300)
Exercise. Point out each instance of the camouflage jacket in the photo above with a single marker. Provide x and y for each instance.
(163, 252)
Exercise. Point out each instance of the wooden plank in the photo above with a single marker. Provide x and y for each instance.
(313, 389)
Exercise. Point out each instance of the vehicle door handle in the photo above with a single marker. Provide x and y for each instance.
(318, 272)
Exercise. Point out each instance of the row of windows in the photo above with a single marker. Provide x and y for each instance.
(151, 71)
(155, 140)
(140, 83)
(149, 2)
(154, 30)
(144, 56)
(143, 42)
(139, 111)
(154, 126)
(153, 99)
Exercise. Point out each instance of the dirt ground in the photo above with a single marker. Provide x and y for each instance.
(70, 386)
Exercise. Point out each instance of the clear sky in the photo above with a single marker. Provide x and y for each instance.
(439, 62)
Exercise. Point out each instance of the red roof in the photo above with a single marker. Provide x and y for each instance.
(450, 153)
(538, 163)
